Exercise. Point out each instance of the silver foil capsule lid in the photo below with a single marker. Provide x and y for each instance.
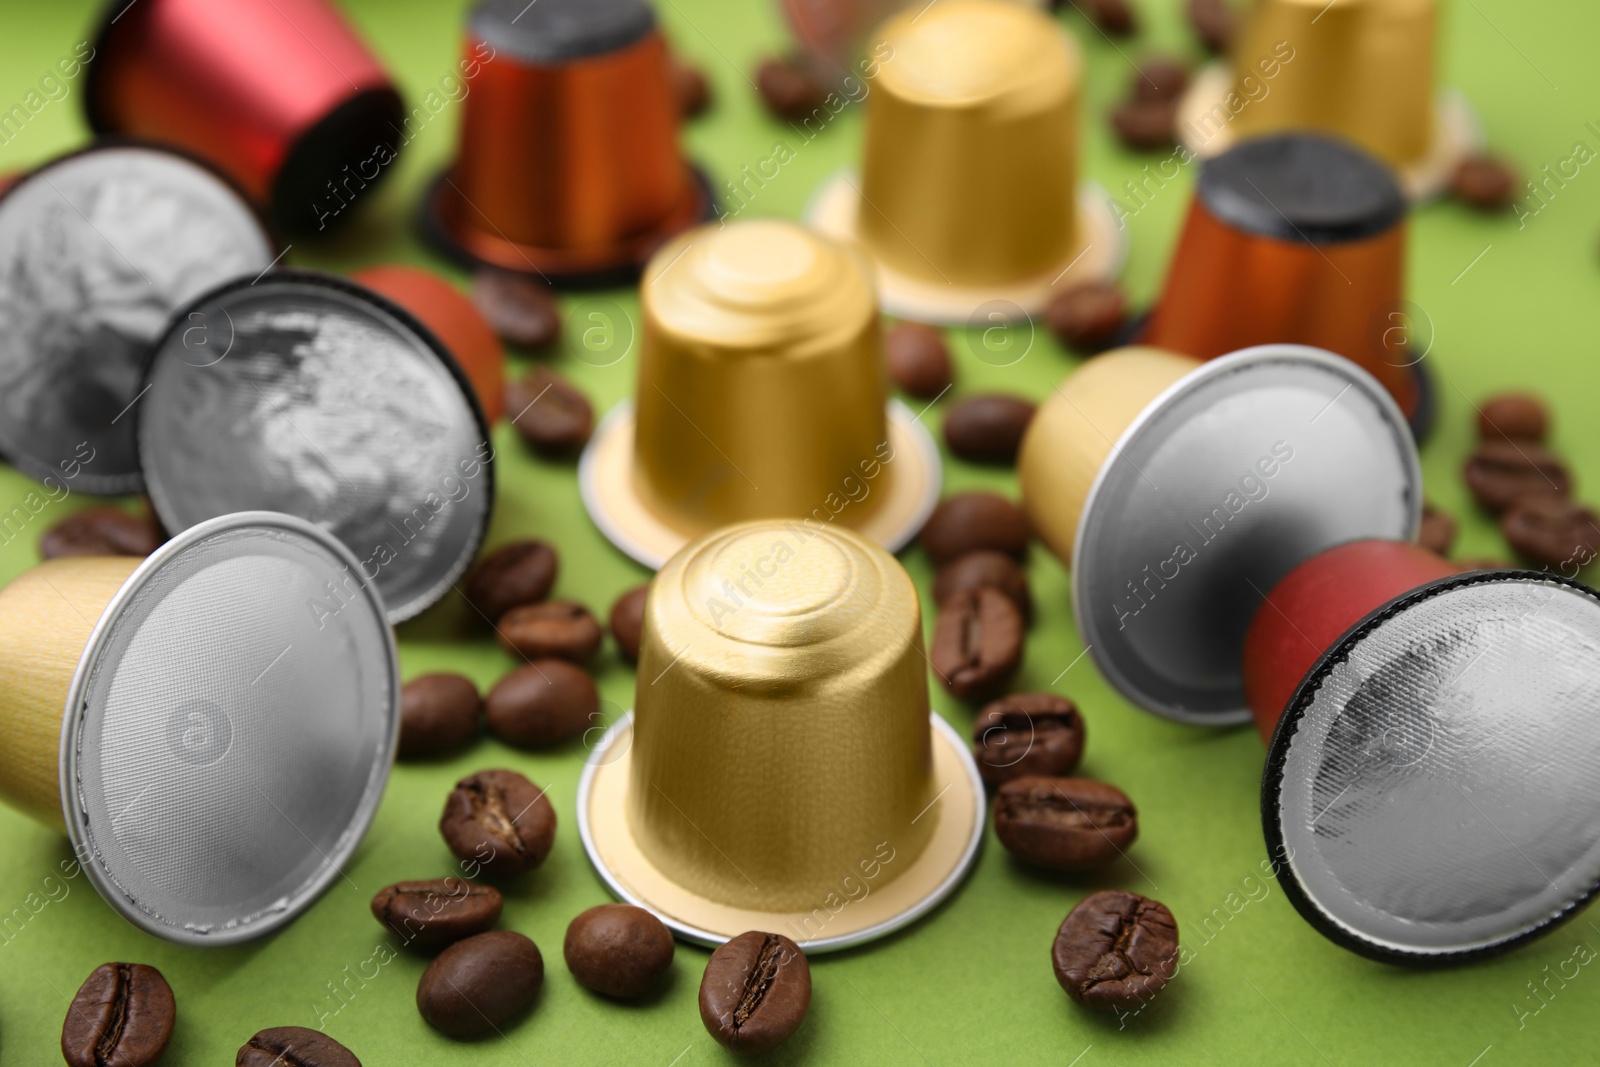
(229, 729)
(1224, 483)
(307, 394)
(97, 249)
(1432, 792)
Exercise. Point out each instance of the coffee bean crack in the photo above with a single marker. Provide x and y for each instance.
(1069, 814)
(489, 809)
(759, 982)
(105, 1049)
(283, 1055)
(1116, 963)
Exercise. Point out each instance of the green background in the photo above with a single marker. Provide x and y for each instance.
(972, 983)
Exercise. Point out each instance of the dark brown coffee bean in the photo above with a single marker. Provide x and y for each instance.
(1116, 17)
(1521, 416)
(988, 428)
(1482, 563)
(559, 628)
(123, 1015)
(618, 949)
(436, 913)
(918, 358)
(294, 1046)
(477, 986)
(1065, 824)
(1484, 182)
(1551, 530)
(1213, 22)
(544, 703)
(755, 992)
(510, 576)
(1160, 78)
(1116, 950)
(1499, 472)
(438, 712)
(627, 621)
(522, 311)
(101, 531)
(1087, 317)
(1145, 125)
(977, 643)
(967, 522)
(499, 823)
(1438, 530)
(789, 90)
(550, 413)
(692, 89)
(1025, 735)
(985, 567)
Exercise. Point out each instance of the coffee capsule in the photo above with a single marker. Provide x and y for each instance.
(968, 200)
(569, 166)
(281, 95)
(1179, 492)
(762, 394)
(454, 320)
(1300, 239)
(1432, 791)
(781, 769)
(97, 249)
(832, 34)
(211, 726)
(1361, 70)
(307, 394)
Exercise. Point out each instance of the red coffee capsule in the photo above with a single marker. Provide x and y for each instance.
(569, 166)
(1432, 789)
(281, 95)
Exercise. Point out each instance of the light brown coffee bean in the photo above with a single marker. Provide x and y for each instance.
(432, 914)
(498, 823)
(967, 522)
(550, 413)
(988, 428)
(123, 1014)
(1145, 125)
(557, 628)
(545, 702)
(1065, 824)
(789, 89)
(1551, 531)
(1500, 471)
(438, 712)
(977, 643)
(1087, 317)
(1438, 530)
(1213, 22)
(1485, 182)
(618, 949)
(627, 621)
(101, 531)
(477, 987)
(1116, 17)
(522, 311)
(510, 576)
(1115, 951)
(692, 88)
(755, 992)
(984, 567)
(1026, 735)
(1159, 78)
(1520, 416)
(918, 359)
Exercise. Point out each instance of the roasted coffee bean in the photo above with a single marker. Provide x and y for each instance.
(1146, 125)
(294, 1046)
(438, 712)
(1116, 950)
(436, 913)
(1516, 415)
(692, 89)
(618, 949)
(985, 567)
(789, 90)
(988, 428)
(123, 1015)
(1025, 735)
(1499, 472)
(101, 531)
(755, 992)
(918, 358)
(1087, 317)
(1213, 22)
(967, 522)
(477, 986)
(977, 643)
(558, 628)
(1160, 78)
(1116, 17)
(627, 621)
(515, 574)
(1551, 530)
(1438, 530)
(544, 703)
(1484, 182)
(522, 311)
(550, 413)
(1482, 563)
(500, 823)
(1065, 824)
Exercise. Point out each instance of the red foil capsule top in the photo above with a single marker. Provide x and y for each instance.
(281, 95)
(1315, 605)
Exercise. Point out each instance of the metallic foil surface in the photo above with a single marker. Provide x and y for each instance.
(308, 395)
(96, 252)
(1433, 793)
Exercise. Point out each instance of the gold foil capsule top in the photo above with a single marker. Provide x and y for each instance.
(966, 53)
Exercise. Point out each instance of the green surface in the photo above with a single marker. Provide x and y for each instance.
(1509, 306)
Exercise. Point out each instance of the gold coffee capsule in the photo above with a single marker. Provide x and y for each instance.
(781, 770)
(1363, 70)
(968, 190)
(762, 394)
